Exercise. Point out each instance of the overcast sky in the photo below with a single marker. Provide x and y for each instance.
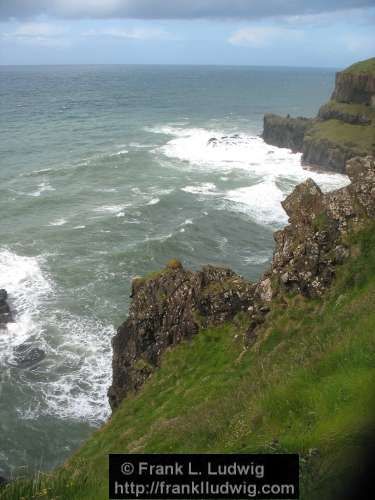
(325, 33)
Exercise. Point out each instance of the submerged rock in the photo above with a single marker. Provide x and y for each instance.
(5, 312)
(26, 356)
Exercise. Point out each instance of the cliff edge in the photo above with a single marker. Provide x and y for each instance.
(344, 127)
(176, 304)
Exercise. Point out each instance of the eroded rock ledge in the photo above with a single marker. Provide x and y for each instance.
(175, 304)
(343, 129)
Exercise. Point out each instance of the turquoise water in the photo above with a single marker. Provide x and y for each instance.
(107, 172)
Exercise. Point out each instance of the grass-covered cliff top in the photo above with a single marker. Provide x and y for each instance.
(359, 138)
(367, 66)
(305, 387)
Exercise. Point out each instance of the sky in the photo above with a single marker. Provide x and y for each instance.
(315, 33)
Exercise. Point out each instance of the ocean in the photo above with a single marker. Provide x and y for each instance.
(107, 172)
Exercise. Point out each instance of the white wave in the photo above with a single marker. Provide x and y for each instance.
(120, 153)
(203, 188)
(258, 258)
(220, 150)
(275, 171)
(58, 222)
(23, 279)
(106, 190)
(79, 227)
(262, 202)
(42, 187)
(153, 201)
(77, 386)
(110, 209)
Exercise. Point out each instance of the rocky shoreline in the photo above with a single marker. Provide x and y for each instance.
(343, 129)
(175, 304)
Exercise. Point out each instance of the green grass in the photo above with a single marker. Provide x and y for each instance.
(359, 138)
(351, 109)
(305, 386)
(367, 66)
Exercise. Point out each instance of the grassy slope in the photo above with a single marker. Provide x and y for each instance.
(359, 138)
(351, 109)
(306, 384)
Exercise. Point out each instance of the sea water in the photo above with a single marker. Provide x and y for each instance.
(107, 172)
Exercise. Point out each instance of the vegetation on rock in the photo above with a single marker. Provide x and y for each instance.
(304, 383)
(344, 127)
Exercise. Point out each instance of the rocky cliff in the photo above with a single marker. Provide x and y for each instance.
(356, 84)
(344, 127)
(166, 309)
(176, 303)
(285, 132)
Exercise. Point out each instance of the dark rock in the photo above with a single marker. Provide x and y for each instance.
(343, 129)
(285, 132)
(3, 481)
(325, 153)
(212, 142)
(175, 304)
(26, 356)
(309, 248)
(356, 88)
(166, 309)
(5, 311)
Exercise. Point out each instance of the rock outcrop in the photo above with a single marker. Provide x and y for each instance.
(5, 312)
(355, 87)
(309, 249)
(285, 132)
(343, 129)
(176, 303)
(167, 308)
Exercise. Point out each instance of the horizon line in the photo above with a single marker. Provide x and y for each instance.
(172, 64)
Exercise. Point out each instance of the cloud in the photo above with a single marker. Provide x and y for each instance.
(173, 9)
(38, 33)
(37, 30)
(132, 33)
(261, 36)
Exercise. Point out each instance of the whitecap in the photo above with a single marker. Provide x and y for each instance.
(120, 153)
(153, 201)
(25, 283)
(58, 222)
(262, 202)
(203, 188)
(111, 209)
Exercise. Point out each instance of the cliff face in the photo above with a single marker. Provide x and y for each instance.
(314, 243)
(344, 127)
(175, 304)
(166, 309)
(355, 88)
(285, 132)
